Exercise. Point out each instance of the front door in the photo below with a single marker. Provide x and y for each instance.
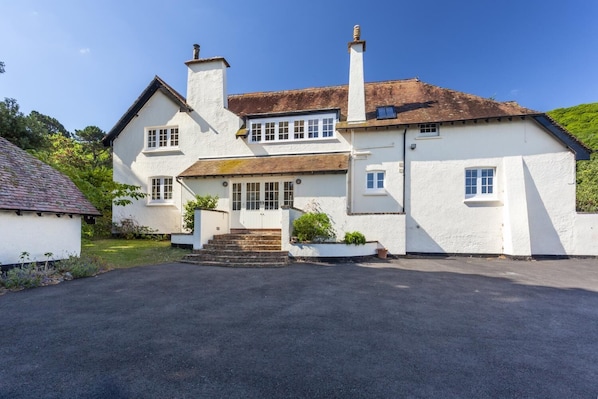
(256, 204)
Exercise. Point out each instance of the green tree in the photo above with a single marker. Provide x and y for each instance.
(2, 65)
(582, 122)
(91, 138)
(17, 128)
(47, 124)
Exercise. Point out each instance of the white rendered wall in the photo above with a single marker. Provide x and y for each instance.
(38, 235)
(377, 151)
(207, 224)
(534, 180)
(586, 235)
(207, 132)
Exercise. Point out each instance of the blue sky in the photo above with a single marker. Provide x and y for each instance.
(84, 62)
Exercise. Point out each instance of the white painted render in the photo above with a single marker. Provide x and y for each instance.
(422, 207)
(208, 223)
(356, 108)
(38, 235)
(532, 213)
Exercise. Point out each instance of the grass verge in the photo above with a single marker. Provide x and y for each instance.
(120, 253)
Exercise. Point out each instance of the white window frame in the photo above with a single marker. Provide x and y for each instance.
(293, 128)
(480, 183)
(165, 193)
(155, 136)
(429, 129)
(378, 179)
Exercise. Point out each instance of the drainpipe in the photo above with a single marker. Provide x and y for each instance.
(352, 176)
(404, 168)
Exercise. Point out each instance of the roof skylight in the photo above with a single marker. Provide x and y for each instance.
(386, 112)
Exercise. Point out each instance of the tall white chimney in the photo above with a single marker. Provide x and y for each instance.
(356, 106)
(206, 82)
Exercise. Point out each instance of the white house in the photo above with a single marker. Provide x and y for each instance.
(41, 209)
(416, 167)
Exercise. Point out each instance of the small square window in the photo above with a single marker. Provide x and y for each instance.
(375, 181)
(428, 129)
(479, 182)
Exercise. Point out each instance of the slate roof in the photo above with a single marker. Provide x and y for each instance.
(271, 165)
(28, 184)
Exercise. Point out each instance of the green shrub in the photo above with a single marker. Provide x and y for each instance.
(200, 202)
(130, 229)
(313, 227)
(25, 276)
(79, 267)
(354, 237)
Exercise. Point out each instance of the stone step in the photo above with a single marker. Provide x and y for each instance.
(242, 249)
(244, 242)
(246, 237)
(237, 265)
(247, 261)
(240, 257)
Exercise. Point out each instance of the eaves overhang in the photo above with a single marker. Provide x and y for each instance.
(304, 164)
(157, 84)
(581, 151)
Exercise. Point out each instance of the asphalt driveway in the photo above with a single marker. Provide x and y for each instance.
(409, 328)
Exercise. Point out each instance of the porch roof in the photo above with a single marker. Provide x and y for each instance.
(270, 165)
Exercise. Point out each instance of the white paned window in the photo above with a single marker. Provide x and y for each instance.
(291, 128)
(428, 129)
(283, 130)
(151, 138)
(480, 182)
(271, 195)
(162, 137)
(288, 193)
(161, 189)
(252, 196)
(236, 196)
(256, 132)
(375, 181)
(299, 129)
(270, 132)
(312, 128)
(327, 127)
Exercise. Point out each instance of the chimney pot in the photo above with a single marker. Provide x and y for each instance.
(356, 33)
(196, 51)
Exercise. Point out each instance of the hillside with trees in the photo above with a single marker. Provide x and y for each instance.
(582, 121)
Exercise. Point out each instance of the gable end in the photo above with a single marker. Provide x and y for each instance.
(156, 84)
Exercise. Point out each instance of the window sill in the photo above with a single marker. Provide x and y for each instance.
(490, 201)
(293, 141)
(160, 204)
(422, 137)
(376, 193)
(162, 151)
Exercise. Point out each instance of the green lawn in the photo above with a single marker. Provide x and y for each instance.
(120, 253)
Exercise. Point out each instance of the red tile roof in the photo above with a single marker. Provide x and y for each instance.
(271, 165)
(28, 184)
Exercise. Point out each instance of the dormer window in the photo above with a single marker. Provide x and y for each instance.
(386, 112)
(310, 127)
